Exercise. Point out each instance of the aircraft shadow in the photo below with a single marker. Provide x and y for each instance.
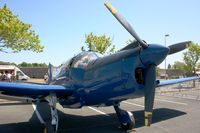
(88, 124)
(14, 104)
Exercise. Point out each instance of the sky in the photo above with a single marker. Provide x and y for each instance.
(62, 25)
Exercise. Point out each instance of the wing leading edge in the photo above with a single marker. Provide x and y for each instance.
(175, 81)
(33, 90)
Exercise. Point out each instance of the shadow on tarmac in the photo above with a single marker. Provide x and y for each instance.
(10, 104)
(87, 124)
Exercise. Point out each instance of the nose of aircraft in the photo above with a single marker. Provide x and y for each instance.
(154, 54)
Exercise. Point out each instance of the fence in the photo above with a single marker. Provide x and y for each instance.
(182, 90)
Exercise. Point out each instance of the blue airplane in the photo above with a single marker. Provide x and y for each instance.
(89, 79)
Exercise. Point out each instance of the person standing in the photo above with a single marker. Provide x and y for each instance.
(4, 76)
(8, 76)
(1, 76)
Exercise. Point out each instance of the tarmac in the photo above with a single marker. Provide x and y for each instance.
(172, 114)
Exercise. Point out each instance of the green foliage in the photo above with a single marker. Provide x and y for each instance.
(99, 43)
(25, 64)
(181, 66)
(7, 63)
(191, 57)
(15, 35)
(169, 66)
(178, 65)
(157, 71)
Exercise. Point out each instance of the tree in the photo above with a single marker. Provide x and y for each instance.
(6, 63)
(169, 66)
(15, 35)
(157, 71)
(25, 64)
(191, 57)
(99, 43)
(181, 66)
(178, 65)
(39, 65)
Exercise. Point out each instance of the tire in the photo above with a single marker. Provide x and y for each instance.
(129, 125)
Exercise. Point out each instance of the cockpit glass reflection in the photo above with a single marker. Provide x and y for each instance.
(81, 60)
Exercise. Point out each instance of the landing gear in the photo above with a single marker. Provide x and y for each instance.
(126, 118)
(49, 128)
(42, 111)
(53, 127)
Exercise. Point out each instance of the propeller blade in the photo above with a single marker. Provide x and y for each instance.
(125, 24)
(178, 47)
(132, 45)
(150, 84)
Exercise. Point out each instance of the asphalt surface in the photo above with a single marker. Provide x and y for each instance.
(171, 115)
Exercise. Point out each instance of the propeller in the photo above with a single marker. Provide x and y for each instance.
(150, 84)
(125, 24)
(150, 58)
(178, 47)
(132, 45)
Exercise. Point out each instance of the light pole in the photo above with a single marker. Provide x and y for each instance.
(166, 35)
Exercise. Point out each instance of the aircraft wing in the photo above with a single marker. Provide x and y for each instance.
(175, 81)
(34, 91)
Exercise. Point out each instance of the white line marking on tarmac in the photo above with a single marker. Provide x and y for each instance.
(38, 114)
(162, 100)
(98, 111)
(133, 104)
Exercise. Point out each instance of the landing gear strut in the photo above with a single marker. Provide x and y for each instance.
(126, 118)
(52, 125)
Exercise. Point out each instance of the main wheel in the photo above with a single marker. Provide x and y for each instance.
(128, 125)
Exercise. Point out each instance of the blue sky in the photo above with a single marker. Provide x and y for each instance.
(62, 24)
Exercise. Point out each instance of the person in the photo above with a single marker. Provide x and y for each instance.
(1, 76)
(8, 77)
(46, 77)
(4, 76)
(13, 77)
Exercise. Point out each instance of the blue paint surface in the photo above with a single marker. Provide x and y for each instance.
(90, 79)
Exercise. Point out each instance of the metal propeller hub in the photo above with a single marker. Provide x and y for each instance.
(154, 55)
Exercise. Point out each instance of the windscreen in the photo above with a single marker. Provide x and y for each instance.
(84, 59)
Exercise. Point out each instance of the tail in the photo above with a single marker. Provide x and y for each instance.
(50, 77)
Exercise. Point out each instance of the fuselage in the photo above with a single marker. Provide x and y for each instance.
(92, 80)
(104, 81)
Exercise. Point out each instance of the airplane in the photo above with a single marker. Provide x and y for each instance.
(89, 79)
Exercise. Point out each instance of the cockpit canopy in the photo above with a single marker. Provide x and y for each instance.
(84, 59)
(81, 60)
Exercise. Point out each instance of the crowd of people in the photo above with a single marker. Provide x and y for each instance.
(6, 76)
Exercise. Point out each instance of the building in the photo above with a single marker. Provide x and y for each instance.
(35, 72)
(170, 73)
